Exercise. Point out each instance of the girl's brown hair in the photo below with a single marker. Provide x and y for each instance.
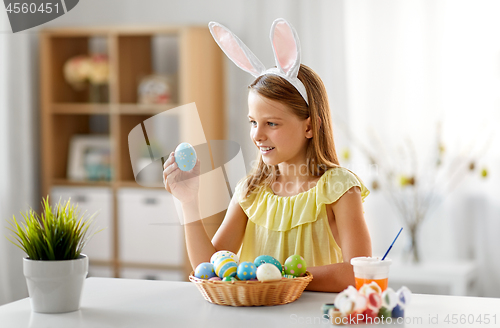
(321, 154)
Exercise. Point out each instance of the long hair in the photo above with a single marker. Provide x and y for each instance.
(321, 154)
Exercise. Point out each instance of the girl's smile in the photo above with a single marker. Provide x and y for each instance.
(266, 150)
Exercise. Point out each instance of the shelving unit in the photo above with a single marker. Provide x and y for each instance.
(188, 52)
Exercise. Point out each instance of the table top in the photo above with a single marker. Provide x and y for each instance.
(109, 302)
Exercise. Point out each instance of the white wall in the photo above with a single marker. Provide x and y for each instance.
(409, 65)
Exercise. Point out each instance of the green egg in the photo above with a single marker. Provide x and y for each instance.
(295, 265)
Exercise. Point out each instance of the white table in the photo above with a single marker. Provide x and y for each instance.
(459, 277)
(126, 303)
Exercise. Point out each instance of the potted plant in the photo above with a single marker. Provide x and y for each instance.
(55, 269)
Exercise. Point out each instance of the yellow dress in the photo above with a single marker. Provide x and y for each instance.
(283, 226)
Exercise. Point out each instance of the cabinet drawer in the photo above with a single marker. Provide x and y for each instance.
(149, 230)
(91, 200)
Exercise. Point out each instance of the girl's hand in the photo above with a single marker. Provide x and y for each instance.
(183, 185)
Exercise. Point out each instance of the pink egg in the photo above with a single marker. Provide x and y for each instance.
(215, 279)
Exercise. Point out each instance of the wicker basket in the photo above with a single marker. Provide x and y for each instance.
(252, 293)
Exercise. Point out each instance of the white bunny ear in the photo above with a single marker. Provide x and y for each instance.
(286, 47)
(236, 50)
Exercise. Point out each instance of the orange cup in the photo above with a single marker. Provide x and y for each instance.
(368, 269)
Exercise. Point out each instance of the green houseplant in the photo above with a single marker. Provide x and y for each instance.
(55, 269)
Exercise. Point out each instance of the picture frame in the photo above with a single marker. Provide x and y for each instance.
(89, 158)
(157, 89)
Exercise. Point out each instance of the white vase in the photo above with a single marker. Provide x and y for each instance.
(55, 286)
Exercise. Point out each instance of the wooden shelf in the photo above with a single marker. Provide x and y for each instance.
(80, 108)
(105, 109)
(133, 184)
(116, 184)
(141, 109)
(66, 182)
(115, 30)
(194, 60)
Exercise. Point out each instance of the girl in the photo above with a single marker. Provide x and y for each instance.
(297, 200)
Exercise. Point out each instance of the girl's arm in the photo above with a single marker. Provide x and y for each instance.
(354, 240)
(184, 186)
(228, 237)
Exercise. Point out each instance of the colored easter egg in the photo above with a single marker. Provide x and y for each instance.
(204, 270)
(325, 308)
(220, 254)
(267, 259)
(384, 312)
(346, 306)
(225, 267)
(246, 271)
(360, 303)
(374, 301)
(288, 276)
(372, 287)
(389, 299)
(369, 314)
(398, 312)
(185, 156)
(404, 296)
(335, 316)
(229, 279)
(214, 279)
(268, 272)
(295, 265)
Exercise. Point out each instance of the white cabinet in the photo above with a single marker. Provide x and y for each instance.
(91, 200)
(149, 229)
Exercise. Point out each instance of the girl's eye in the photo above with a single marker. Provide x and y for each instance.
(270, 123)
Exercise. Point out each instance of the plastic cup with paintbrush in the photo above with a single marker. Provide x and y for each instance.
(373, 269)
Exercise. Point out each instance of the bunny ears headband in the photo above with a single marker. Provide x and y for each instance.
(286, 47)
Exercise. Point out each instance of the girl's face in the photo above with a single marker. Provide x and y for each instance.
(278, 133)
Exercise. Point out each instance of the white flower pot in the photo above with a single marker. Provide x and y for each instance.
(55, 286)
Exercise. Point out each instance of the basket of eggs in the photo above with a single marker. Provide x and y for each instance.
(265, 281)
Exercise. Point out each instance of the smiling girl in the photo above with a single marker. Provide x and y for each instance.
(297, 200)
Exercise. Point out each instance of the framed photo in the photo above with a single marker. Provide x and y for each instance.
(89, 158)
(156, 89)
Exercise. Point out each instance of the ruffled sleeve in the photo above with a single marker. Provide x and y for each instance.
(279, 213)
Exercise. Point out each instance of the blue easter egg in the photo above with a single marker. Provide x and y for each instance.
(267, 259)
(225, 267)
(398, 312)
(204, 270)
(247, 271)
(185, 156)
